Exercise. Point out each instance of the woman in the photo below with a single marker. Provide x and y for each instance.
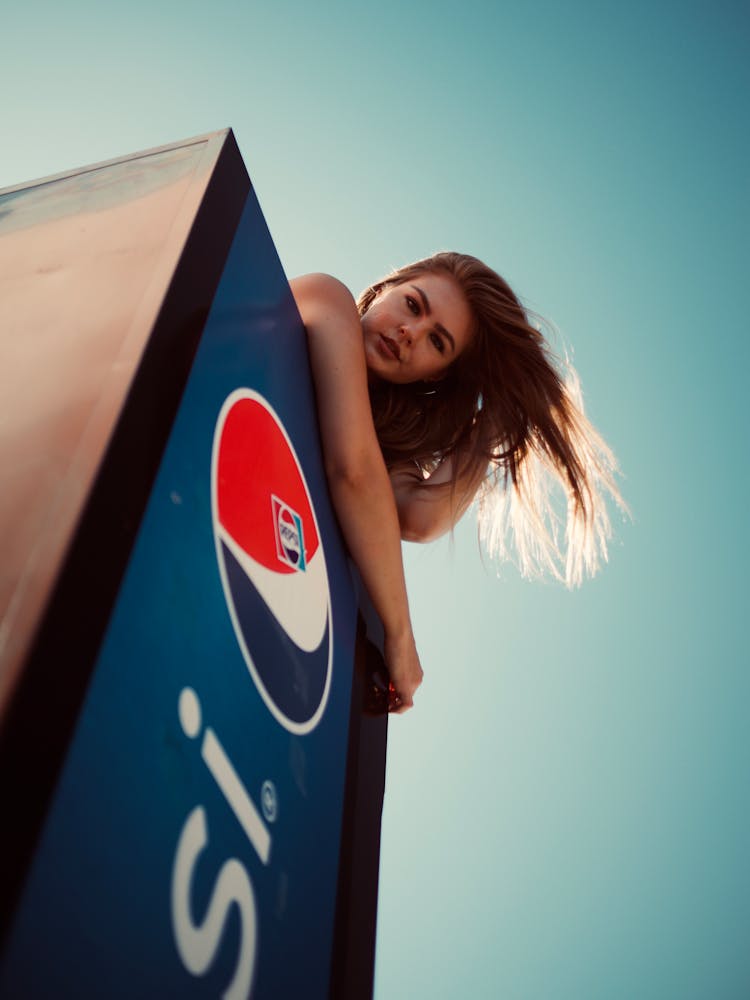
(433, 390)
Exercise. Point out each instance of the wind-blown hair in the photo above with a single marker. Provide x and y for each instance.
(510, 418)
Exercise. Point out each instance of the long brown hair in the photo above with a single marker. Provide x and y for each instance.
(510, 418)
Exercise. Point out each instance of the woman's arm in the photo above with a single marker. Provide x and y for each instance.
(357, 476)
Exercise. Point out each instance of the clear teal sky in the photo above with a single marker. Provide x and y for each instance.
(568, 808)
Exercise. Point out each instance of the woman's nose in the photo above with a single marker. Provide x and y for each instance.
(406, 335)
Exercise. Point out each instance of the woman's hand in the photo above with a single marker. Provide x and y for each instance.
(404, 668)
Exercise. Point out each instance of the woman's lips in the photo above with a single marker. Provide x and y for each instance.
(390, 347)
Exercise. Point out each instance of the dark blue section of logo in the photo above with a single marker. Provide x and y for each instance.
(295, 680)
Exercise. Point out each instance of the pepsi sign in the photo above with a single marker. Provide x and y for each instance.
(271, 560)
(205, 786)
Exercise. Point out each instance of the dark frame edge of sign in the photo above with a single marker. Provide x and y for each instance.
(42, 714)
(353, 959)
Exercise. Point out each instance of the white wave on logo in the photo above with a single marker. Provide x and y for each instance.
(299, 601)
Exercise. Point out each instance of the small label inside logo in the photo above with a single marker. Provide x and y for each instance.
(290, 539)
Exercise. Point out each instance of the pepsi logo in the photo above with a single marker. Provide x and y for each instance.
(290, 543)
(271, 560)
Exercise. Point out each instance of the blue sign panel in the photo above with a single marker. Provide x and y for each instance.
(192, 844)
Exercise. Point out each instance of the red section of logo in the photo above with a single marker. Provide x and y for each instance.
(255, 463)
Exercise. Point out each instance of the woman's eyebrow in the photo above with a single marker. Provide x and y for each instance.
(438, 326)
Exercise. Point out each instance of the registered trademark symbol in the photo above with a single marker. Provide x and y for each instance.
(269, 801)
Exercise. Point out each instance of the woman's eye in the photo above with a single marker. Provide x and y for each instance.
(412, 305)
(437, 340)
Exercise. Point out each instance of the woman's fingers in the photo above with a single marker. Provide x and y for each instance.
(405, 671)
(398, 704)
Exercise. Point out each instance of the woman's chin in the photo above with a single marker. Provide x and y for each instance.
(377, 369)
(380, 369)
(377, 377)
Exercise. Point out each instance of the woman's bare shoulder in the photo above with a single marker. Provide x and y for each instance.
(318, 292)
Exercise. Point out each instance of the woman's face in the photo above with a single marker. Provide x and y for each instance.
(414, 331)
